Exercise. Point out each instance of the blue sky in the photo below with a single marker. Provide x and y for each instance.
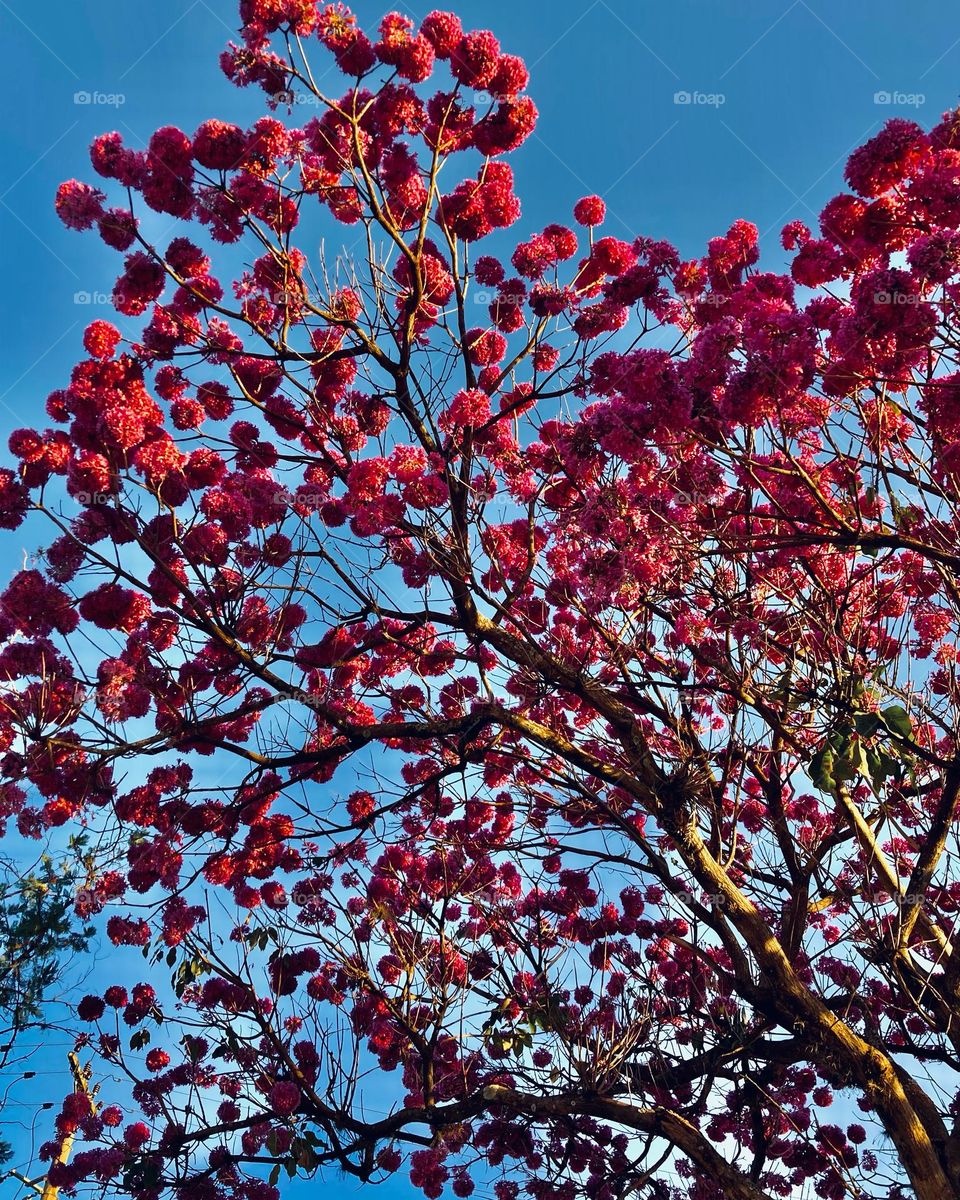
(777, 94)
(781, 91)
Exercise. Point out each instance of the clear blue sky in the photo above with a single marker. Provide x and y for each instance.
(779, 92)
(798, 80)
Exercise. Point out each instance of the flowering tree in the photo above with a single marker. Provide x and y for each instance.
(518, 679)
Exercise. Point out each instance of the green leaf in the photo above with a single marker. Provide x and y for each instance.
(883, 766)
(303, 1154)
(867, 724)
(843, 767)
(821, 770)
(855, 758)
(897, 720)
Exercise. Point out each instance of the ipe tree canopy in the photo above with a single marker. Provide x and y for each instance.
(510, 679)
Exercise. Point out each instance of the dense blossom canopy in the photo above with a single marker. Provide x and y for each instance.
(513, 681)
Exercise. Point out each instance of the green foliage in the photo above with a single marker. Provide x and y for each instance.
(869, 747)
(37, 928)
